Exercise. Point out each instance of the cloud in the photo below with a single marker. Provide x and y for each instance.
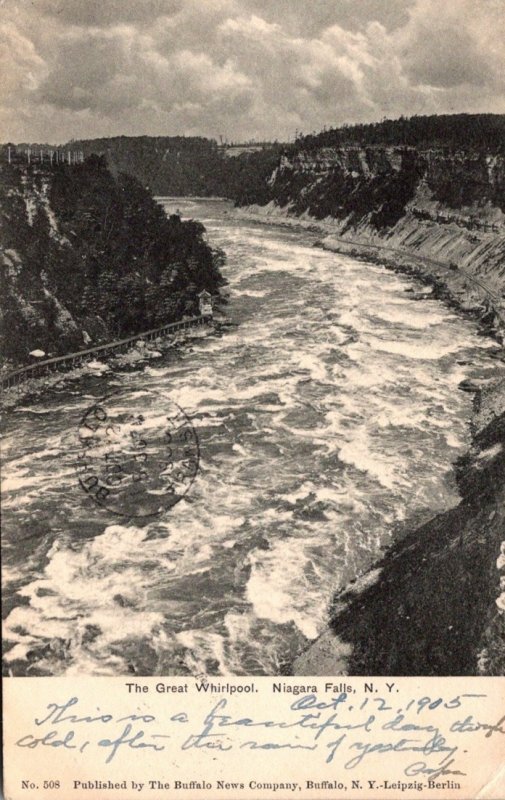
(21, 66)
(107, 12)
(350, 14)
(438, 49)
(242, 68)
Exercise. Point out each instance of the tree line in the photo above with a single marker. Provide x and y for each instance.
(484, 132)
(87, 250)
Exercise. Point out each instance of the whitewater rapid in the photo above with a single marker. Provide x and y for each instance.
(326, 416)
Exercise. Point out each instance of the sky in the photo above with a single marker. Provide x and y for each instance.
(241, 69)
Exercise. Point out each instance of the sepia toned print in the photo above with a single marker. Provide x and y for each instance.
(253, 396)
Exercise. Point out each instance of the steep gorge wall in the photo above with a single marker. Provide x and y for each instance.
(440, 205)
(443, 199)
(435, 604)
(87, 258)
(381, 184)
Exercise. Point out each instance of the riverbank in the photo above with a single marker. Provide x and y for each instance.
(434, 605)
(411, 248)
(325, 350)
(33, 389)
(67, 286)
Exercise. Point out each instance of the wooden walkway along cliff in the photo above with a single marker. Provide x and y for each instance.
(49, 365)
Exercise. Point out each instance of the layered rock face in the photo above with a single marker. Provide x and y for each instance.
(434, 204)
(434, 605)
(380, 185)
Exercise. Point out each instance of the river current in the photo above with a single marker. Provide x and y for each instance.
(327, 415)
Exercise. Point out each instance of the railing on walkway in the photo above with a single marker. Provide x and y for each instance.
(49, 365)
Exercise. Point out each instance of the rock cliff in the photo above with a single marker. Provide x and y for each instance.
(445, 209)
(87, 257)
(435, 603)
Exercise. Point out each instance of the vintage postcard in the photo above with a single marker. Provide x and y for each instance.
(253, 399)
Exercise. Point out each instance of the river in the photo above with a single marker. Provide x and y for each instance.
(326, 416)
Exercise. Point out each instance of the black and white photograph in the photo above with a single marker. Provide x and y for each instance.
(252, 321)
(252, 330)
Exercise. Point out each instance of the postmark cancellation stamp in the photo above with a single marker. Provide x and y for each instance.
(138, 453)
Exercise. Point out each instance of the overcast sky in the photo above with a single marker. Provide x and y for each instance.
(241, 68)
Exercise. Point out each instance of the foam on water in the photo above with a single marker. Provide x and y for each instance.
(326, 416)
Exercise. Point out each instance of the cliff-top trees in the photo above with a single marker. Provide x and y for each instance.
(105, 250)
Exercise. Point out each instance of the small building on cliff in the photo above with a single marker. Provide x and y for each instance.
(205, 303)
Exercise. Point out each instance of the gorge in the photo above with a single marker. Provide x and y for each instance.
(410, 550)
